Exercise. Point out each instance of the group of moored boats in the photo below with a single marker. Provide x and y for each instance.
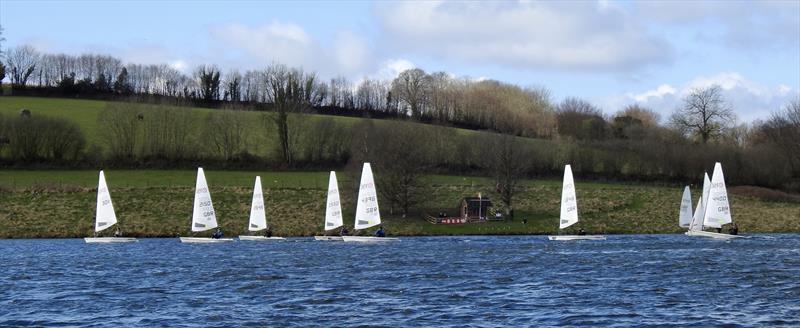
(712, 211)
(204, 218)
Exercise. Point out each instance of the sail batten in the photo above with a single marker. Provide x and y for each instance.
(258, 215)
(569, 203)
(333, 207)
(367, 212)
(203, 215)
(105, 217)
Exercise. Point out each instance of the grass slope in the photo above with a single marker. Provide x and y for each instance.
(158, 203)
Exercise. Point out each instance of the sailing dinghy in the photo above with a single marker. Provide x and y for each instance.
(685, 215)
(105, 216)
(715, 209)
(258, 215)
(569, 210)
(203, 215)
(333, 210)
(367, 213)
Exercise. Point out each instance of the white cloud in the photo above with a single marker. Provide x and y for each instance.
(660, 92)
(289, 44)
(530, 35)
(180, 65)
(391, 68)
(274, 42)
(750, 100)
(745, 25)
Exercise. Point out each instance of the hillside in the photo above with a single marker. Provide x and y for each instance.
(158, 203)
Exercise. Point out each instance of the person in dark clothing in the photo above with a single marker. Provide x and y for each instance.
(734, 229)
(581, 232)
(268, 233)
(719, 230)
(217, 234)
(117, 233)
(343, 231)
(380, 232)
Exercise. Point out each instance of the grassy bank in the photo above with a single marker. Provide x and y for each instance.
(158, 203)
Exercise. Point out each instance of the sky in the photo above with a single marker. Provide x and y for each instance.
(612, 53)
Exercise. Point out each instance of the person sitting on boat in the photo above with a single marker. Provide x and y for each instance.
(117, 233)
(734, 229)
(268, 233)
(343, 231)
(217, 234)
(581, 232)
(380, 232)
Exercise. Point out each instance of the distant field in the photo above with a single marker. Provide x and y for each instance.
(158, 203)
(85, 113)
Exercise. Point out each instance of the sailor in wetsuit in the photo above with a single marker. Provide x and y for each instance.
(380, 232)
(217, 234)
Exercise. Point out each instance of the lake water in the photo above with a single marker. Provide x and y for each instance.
(659, 280)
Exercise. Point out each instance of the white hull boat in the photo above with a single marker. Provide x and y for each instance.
(569, 210)
(715, 235)
(328, 238)
(204, 240)
(109, 240)
(360, 239)
(260, 238)
(715, 206)
(577, 237)
(105, 217)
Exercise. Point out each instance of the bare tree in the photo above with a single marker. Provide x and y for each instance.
(226, 131)
(783, 129)
(22, 62)
(412, 87)
(505, 158)
(121, 124)
(705, 113)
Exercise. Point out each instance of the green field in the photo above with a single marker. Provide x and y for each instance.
(85, 113)
(158, 203)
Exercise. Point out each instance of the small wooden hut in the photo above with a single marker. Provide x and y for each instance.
(475, 208)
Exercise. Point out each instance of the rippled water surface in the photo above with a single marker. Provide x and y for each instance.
(429, 281)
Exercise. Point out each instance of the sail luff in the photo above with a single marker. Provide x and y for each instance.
(333, 208)
(367, 212)
(105, 216)
(203, 215)
(569, 203)
(258, 215)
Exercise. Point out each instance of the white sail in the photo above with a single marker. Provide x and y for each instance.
(569, 204)
(105, 216)
(718, 211)
(685, 217)
(367, 213)
(697, 218)
(203, 216)
(333, 209)
(258, 216)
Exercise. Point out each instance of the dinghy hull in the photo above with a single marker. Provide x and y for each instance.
(203, 240)
(260, 238)
(109, 240)
(328, 238)
(577, 237)
(359, 239)
(696, 233)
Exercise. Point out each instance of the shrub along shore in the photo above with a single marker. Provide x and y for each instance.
(156, 203)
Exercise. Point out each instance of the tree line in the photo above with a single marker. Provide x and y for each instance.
(634, 143)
